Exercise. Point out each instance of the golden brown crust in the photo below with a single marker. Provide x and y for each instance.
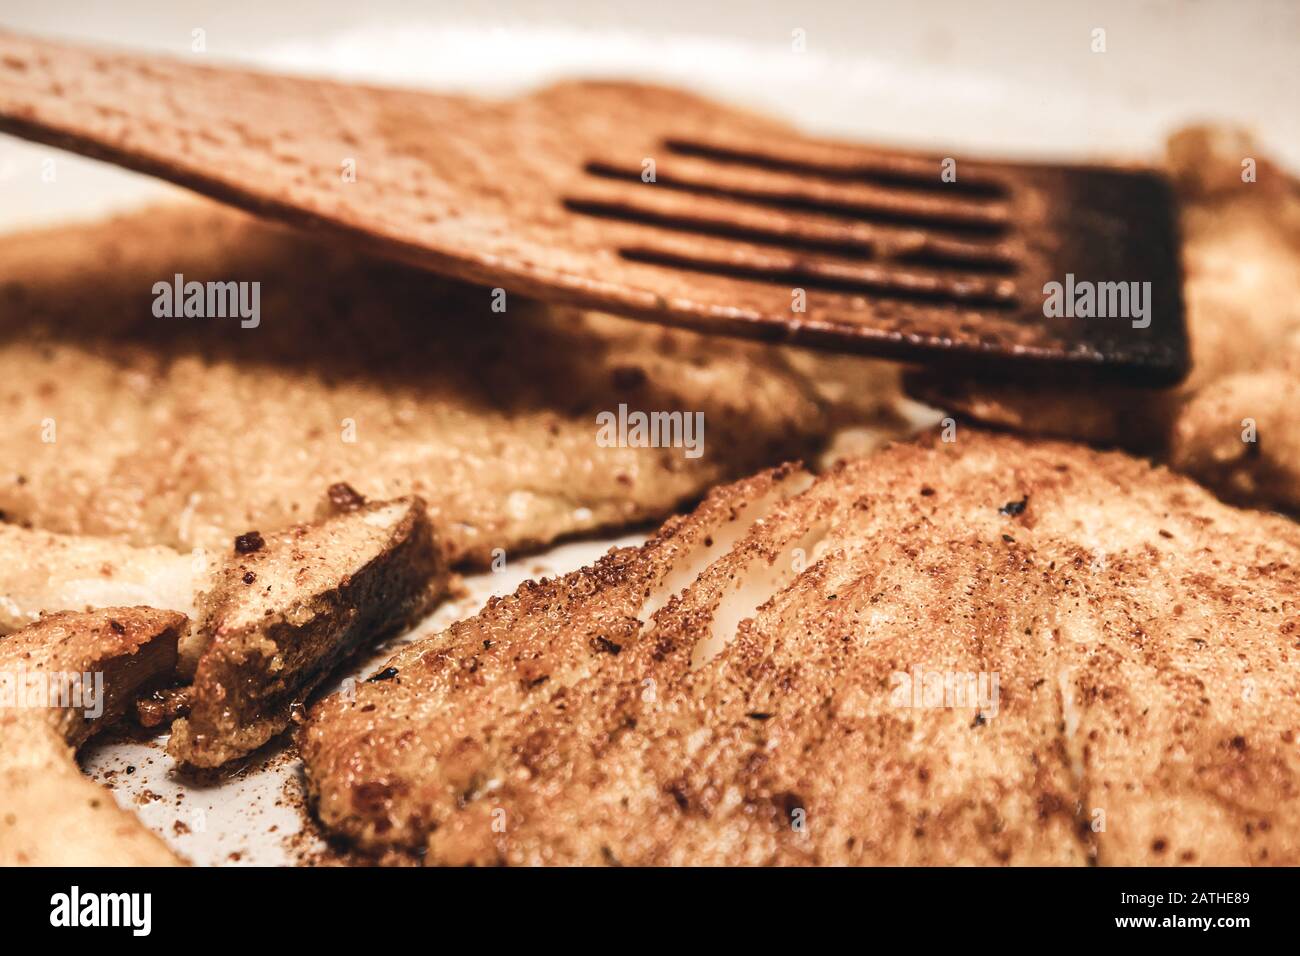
(1141, 633)
(1239, 436)
(175, 431)
(41, 571)
(546, 636)
(130, 648)
(50, 815)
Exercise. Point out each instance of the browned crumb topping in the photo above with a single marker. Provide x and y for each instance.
(249, 543)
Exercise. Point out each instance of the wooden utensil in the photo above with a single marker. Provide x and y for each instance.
(649, 202)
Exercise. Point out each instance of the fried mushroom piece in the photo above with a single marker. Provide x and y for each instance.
(289, 606)
(64, 678)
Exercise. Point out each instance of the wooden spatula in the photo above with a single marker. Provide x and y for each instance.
(654, 203)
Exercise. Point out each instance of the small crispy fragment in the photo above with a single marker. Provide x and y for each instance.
(344, 497)
(250, 542)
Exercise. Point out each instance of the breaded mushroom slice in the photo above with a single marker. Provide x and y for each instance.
(62, 679)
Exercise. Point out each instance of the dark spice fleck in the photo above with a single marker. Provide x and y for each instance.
(1014, 508)
(979, 721)
(249, 577)
(1008, 539)
(602, 643)
(1165, 534)
(758, 715)
(344, 497)
(249, 543)
(388, 673)
(117, 627)
(926, 491)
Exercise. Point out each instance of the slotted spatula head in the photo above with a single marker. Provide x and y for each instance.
(655, 203)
